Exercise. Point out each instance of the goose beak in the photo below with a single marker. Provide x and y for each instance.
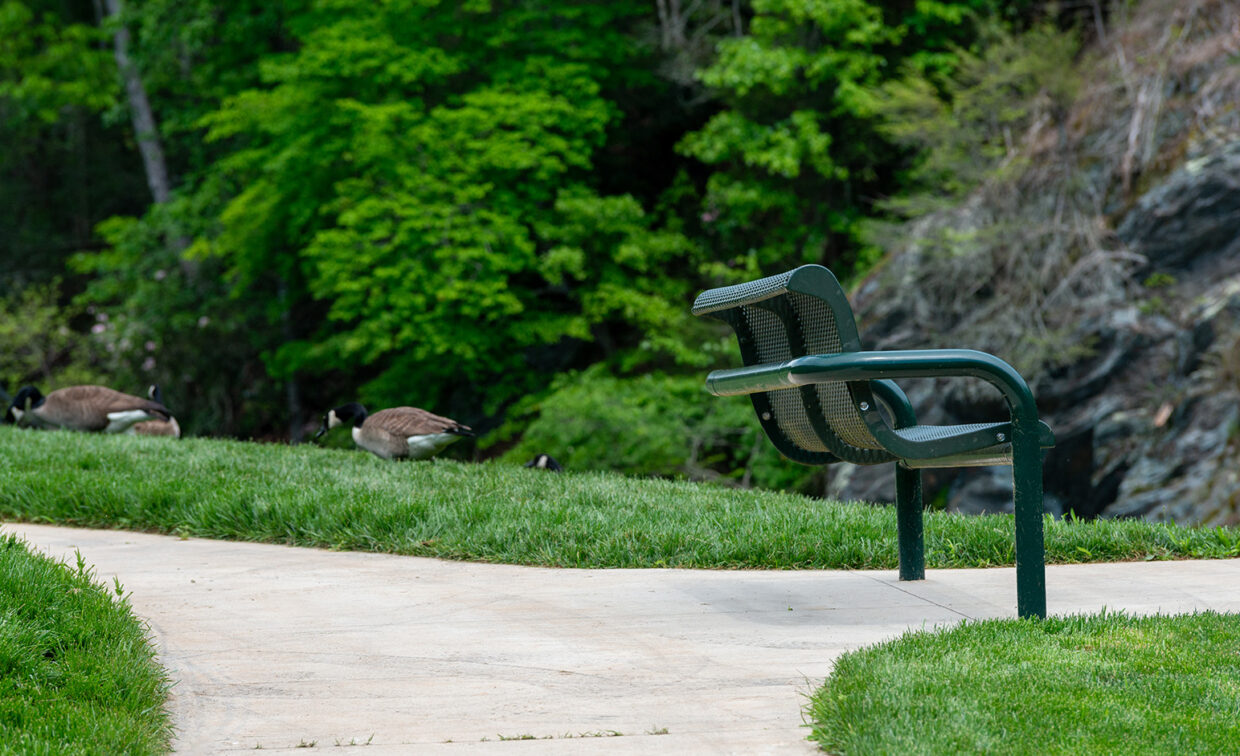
(322, 430)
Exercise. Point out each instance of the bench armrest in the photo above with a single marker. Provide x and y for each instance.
(866, 366)
(890, 394)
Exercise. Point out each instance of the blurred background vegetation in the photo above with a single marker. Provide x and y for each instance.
(499, 211)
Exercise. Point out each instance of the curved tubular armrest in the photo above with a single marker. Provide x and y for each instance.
(868, 366)
(893, 396)
(751, 379)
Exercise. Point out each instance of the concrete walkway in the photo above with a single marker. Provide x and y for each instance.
(276, 647)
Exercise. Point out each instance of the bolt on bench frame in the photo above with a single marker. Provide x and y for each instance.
(817, 397)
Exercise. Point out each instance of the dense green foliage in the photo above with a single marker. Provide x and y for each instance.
(62, 166)
(1105, 683)
(451, 205)
(653, 424)
(77, 673)
(493, 511)
(797, 149)
(36, 340)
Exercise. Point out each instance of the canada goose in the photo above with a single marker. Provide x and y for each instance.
(545, 462)
(396, 433)
(84, 408)
(167, 427)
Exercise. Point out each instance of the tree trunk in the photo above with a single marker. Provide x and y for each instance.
(144, 127)
(146, 130)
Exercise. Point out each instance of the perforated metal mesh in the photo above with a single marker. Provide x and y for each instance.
(741, 294)
(771, 340)
(844, 434)
(922, 433)
(822, 336)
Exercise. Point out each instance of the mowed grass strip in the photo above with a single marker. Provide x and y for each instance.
(1105, 683)
(77, 673)
(311, 496)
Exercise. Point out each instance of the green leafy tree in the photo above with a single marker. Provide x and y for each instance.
(797, 154)
(62, 168)
(970, 123)
(451, 204)
(415, 184)
(38, 344)
(194, 53)
(174, 318)
(653, 424)
(192, 337)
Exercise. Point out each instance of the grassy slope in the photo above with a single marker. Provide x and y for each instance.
(77, 674)
(1097, 684)
(352, 500)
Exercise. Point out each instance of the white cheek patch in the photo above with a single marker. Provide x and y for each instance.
(421, 447)
(28, 419)
(119, 422)
(333, 421)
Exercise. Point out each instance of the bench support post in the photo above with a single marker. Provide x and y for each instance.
(1030, 554)
(910, 534)
(909, 524)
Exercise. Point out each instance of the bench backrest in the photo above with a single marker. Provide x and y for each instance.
(794, 314)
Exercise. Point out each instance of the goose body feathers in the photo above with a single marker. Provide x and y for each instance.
(398, 432)
(84, 408)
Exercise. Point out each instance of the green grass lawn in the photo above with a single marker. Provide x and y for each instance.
(1063, 685)
(311, 496)
(77, 673)
(1077, 685)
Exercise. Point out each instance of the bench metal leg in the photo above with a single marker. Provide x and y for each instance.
(1030, 549)
(909, 524)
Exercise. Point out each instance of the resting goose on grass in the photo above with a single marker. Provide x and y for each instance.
(167, 427)
(396, 433)
(545, 462)
(84, 408)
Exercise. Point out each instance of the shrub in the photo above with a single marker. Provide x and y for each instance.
(653, 424)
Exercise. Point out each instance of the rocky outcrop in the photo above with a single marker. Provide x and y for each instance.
(1191, 219)
(1103, 261)
(1147, 420)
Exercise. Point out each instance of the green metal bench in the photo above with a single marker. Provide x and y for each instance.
(817, 395)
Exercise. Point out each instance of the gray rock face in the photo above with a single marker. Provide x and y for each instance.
(1148, 424)
(1191, 217)
(1187, 473)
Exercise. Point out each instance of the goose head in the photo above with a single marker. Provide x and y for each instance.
(352, 414)
(156, 427)
(27, 398)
